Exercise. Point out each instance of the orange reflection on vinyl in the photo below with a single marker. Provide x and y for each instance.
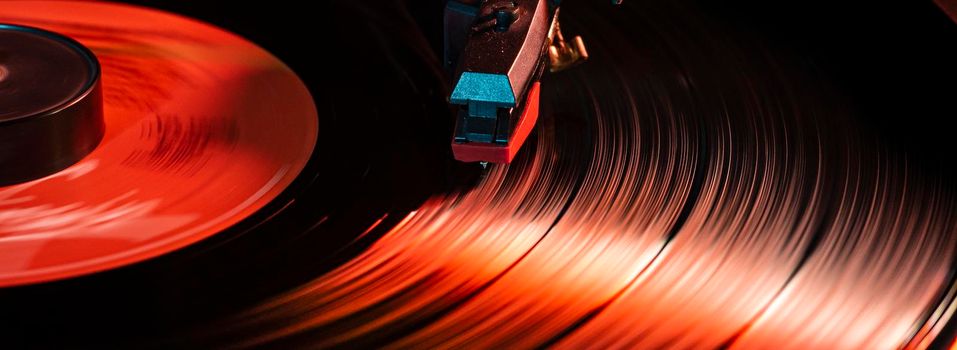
(192, 113)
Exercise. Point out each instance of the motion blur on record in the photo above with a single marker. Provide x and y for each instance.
(477, 174)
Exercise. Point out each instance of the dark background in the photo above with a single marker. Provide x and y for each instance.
(895, 60)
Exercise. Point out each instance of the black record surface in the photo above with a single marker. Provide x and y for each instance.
(740, 133)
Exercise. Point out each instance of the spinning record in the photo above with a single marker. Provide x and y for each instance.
(697, 184)
(202, 128)
(690, 187)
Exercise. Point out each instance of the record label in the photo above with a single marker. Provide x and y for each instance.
(202, 129)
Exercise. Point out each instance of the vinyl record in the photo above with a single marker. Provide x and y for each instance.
(698, 183)
(202, 129)
(691, 186)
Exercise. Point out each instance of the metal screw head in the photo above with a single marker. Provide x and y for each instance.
(498, 15)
